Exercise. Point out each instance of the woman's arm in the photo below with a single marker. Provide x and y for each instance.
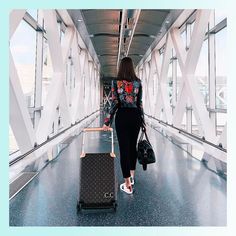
(140, 103)
(114, 104)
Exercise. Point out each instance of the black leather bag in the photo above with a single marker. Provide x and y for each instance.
(146, 154)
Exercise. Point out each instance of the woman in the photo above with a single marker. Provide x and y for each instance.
(127, 104)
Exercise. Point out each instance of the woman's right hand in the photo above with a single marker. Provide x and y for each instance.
(105, 127)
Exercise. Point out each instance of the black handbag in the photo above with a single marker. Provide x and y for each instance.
(146, 154)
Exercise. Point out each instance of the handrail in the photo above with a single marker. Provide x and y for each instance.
(37, 146)
(201, 139)
(94, 129)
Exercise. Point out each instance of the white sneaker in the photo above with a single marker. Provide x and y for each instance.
(132, 180)
(125, 189)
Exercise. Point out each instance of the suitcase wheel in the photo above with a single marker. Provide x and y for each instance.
(79, 206)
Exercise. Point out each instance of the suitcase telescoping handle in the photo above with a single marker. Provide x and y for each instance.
(97, 129)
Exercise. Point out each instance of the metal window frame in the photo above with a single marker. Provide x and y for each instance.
(187, 62)
(29, 138)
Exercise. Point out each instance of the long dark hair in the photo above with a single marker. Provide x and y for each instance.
(126, 70)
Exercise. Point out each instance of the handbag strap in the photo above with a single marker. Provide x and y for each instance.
(146, 137)
(142, 134)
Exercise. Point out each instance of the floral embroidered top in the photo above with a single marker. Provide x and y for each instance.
(125, 94)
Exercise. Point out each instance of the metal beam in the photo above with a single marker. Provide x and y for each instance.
(136, 18)
(123, 18)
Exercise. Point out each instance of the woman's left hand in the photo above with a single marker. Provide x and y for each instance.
(105, 127)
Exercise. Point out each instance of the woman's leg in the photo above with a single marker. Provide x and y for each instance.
(122, 131)
(124, 155)
(132, 172)
(127, 124)
(128, 183)
(133, 142)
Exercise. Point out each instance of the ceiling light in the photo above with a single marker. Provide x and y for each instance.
(79, 20)
(152, 36)
(127, 33)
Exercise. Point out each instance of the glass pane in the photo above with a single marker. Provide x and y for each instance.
(33, 13)
(62, 36)
(221, 119)
(70, 76)
(170, 82)
(13, 147)
(179, 78)
(221, 69)
(201, 73)
(155, 85)
(195, 128)
(192, 26)
(47, 71)
(220, 15)
(60, 31)
(184, 37)
(23, 48)
(183, 125)
(161, 58)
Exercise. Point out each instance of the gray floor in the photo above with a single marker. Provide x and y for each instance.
(175, 191)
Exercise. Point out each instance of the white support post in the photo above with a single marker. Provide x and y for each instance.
(86, 86)
(174, 76)
(151, 84)
(188, 104)
(189, 94)
(146, 87)
(89, 87)
(179, 47)
(58, 55)
(54, 43)
(197, 39)
(163, 79)
(15, 18)
(189, 82)
(80, 97)
(76, 53)
(20, 121)
(59, 96)
(212, 72)
(39, 72)
(64, 107)
(158, 100)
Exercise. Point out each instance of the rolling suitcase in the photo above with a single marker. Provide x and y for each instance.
(98, 186)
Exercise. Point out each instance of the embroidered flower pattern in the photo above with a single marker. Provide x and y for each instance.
(120, 90)
(119, 84)
(106, 120)
(129, 87)
(129, 99)
(113, 97)
(125, 94)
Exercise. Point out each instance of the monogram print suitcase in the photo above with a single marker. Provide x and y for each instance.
(98, 186)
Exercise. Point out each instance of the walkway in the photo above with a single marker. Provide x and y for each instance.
(176, 191)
